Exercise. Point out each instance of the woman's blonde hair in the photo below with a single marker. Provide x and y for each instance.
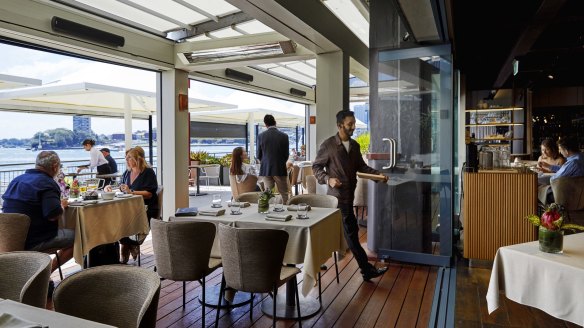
(140, 161)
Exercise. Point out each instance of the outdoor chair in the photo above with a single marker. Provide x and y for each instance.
(251, 197)
(294, 178)
(317, 200)
(13, 232)
(210, 172)
(117, 295)
(183, 253)
(24, 277)
(160, 194)
(252, 262)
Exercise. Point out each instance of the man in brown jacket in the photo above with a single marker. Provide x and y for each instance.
(336, 164)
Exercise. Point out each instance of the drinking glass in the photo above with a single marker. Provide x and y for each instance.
(302, 211)
(216, 200)
(82, 188)
(235, 208)
(278, 204)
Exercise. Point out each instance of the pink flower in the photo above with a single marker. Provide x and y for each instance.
(549, 217)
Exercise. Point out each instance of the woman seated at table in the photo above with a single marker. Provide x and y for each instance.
(245, 175)
(550, 156)
(139, 179)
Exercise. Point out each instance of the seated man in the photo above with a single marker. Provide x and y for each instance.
(37, 194)
(573, 167)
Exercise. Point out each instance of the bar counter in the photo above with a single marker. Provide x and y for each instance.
(494, 209)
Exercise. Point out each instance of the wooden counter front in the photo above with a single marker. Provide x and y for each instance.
(494, 209)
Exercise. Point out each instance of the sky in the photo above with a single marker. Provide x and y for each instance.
(59, 69)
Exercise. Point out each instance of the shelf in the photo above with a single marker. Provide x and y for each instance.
(494, 124)
(499, 139)
(505, 109)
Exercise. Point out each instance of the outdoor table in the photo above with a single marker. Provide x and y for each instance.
(311, 242)
(552, 283)
(45, 317)
(105, 222)
(198, 168)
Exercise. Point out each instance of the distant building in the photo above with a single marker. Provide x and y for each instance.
(82, 124)
(362, 113)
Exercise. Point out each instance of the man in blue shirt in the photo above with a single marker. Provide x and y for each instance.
(574, 166)
(37, 194)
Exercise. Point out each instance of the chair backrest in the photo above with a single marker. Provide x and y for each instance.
(251, 197)
(117, 295)
(160, 194)
(305, 171)
(311, 184)
(13, 231)
(295, 174)
(247, 185)
(315, 200)
(24, 277)
(360, 193)
(569, 192)
(252, 258)
(182, 248)
(211, 171)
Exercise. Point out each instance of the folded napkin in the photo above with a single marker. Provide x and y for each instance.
(10, 321)
(212, 211)
(278, 217)
(295, 207)
(242, 204)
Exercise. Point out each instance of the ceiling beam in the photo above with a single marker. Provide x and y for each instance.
(542, 18)
(210, 26)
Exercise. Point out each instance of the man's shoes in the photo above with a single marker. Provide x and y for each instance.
(373, 273)
(51, 289)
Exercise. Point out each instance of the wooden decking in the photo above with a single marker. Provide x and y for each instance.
(402, 297)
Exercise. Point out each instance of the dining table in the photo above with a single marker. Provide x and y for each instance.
(104, 221)
(22, 314)
(311, 242)
(552, 283)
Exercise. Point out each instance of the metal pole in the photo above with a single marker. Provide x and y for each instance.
(150, 144)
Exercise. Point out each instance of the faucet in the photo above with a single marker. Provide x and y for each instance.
(392, 153)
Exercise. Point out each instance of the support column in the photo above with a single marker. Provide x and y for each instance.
(127, 121)
(173, 142)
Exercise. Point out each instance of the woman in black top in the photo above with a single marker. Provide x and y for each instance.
(139, 179)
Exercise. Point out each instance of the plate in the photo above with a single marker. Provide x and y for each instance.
(89, 202)
(124, 195)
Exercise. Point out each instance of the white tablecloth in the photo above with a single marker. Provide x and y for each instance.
(46, 317)
(553, 283)
(311, 241)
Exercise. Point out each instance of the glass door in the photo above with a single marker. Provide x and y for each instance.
(411, 217)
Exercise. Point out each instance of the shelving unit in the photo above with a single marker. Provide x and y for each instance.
(496, 126)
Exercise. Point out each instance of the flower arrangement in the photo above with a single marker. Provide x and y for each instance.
(553, 219)
(264, 201)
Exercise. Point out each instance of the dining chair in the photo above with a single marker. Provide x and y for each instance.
(294, 178)
(251, 197)
(210, 172)
(24, 277)
(252, 262)
(247, 185)
(360, 201)
(182, 250)
(13, 232)
(569, 192)
(117, 295)
(317, 200)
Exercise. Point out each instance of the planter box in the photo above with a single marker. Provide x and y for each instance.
(225, 176)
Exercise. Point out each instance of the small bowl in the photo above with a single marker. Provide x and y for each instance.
(107, 195)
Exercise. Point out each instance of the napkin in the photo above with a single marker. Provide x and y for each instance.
(278, 217)
(10, 321)
(295, 207)
(242, 204)
(212, 211)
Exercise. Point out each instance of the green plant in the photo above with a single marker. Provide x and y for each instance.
(200, 156)
(225, 161)
(363, 140)
(212, 160)
(552, 219)
(266, 195)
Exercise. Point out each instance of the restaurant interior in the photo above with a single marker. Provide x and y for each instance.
(460, 96)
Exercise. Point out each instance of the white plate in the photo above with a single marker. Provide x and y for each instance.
(124, 195)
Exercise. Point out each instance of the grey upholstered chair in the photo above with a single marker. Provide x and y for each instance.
(360, 201)
(183, 252)
(248, 185)
(310, 182)
(252, 262)
(569, 192)
(160, 194)
(24, 277)
(13, 232)
(117, 295)
(251, 197)
(316, 200)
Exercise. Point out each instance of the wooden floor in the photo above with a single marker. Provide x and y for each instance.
(471, 305)
(402, 297)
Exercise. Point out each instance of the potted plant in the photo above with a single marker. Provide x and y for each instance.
(225, 162)
(264, 201)
(196, 158)
(551, 228)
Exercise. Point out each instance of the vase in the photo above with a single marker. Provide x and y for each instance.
(551, 241)
(263, 205)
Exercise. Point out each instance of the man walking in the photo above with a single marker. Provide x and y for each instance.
(273, 153)
(337, 162)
